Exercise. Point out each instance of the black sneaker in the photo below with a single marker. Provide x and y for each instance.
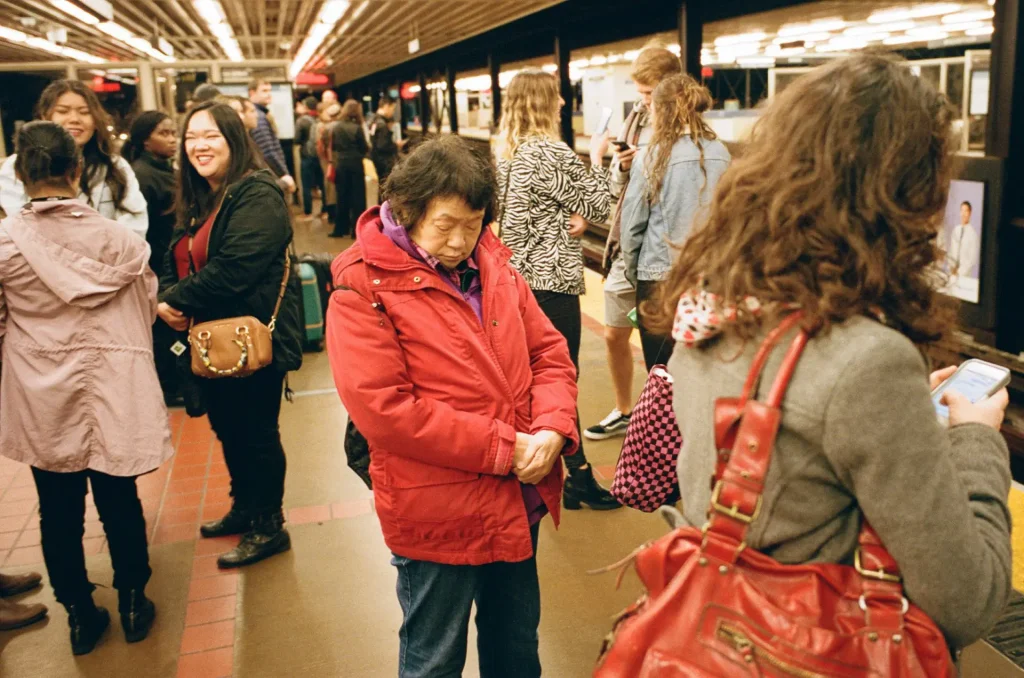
(615, 424)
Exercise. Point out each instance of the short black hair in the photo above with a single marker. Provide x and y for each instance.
(205, 92)
(446, 166)
(968, 203)
(310, 102)
(47, 153)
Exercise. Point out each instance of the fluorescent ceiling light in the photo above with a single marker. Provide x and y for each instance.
(987, 30)
(222, 31)
(75, 11)
(739, 50)
(964, 17)
(211, 11)
(599, 61)
(319, 32)
(894, 27)
(809, 37)
(675, 49)
(902, 40)
(115, 30)
(549, 68)
(936, 9)
(332, 11)
(756, 36)
(756, 62)
(842, 45)
(121, 33)
(12, 35)
(360, 9)
(956, 28)
(929, 33)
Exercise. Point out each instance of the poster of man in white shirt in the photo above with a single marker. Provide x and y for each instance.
(962, 239)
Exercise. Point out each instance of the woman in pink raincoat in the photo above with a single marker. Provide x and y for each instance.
(79, 397)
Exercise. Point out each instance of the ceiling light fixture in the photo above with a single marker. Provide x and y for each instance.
(122, 34)
(75, 11)
(216, 20)
(330, 13)
(986, 30)
(20, 38)
(901, 40)
(964, 17)
(800, 30)
(725, 40)
(810, 37)
(894, 27)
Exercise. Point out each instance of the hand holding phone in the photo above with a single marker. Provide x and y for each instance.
(974, 394)
(619, 145)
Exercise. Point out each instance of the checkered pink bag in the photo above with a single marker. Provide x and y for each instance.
(645, 477)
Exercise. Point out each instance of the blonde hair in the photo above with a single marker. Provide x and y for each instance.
(530, 110)
(679, 104)
(654, 64)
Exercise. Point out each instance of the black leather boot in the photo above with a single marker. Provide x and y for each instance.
(266, 538)
(137, 614)
(87, 623)
(237, 521)
(582, 488)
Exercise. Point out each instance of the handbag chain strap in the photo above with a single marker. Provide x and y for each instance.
(740, 474)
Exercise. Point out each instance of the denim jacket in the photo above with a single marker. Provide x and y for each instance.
(650, 231)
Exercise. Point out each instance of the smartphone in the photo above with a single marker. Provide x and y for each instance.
(975, 379)
(606, 118)
(621, 145)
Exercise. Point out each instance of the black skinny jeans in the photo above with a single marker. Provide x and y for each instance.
(244, 414)
(312, 177)
(563, 310)
(62, 524)
(350, 183)
(657, 349)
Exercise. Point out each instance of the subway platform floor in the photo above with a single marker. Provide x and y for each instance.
(327, 608)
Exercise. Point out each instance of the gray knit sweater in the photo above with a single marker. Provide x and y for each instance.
(859, 434)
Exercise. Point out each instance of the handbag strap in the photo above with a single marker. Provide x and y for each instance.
(284, 285)
(737, 494)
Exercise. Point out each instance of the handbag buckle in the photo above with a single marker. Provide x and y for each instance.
(734, 510)
(879, 574)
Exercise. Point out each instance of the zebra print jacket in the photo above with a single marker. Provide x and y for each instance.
(540, 188)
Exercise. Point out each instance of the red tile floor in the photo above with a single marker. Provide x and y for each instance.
(192, 487)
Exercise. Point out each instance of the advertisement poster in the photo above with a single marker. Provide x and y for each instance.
(961, 239)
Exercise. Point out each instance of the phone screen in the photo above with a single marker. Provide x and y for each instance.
(974, 381)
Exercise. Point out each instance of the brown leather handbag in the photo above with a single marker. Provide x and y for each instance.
(716, 608)
(235, 347)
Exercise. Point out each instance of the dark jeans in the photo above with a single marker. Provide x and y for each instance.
(312, 177)
(62, 524)
(657, 348)
(563, 310)
(350, 182)
(436, 601)
(244, 414)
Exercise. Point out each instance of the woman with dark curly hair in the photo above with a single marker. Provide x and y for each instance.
(834, 209)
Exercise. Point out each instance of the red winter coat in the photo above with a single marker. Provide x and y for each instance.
(440, 397)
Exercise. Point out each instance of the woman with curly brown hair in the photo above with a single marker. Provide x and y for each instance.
(835, 209)
(671, 181)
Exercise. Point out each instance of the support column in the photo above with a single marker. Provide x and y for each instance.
(494, 67)
(691, 29)
(453, 109)
(147, 86)
(565, 88)
(424, 104)
(215, 72)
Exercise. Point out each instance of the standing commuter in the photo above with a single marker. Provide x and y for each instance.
(328, 119)
(349, 147)
(835, 208)
(228, 259)
(261, 94)
(307, 129)
(384, 149)
(77, 304)
(464, 447)
(151, 147)
(108, 183)
(672, 180)
(546, 189)
(652, 65)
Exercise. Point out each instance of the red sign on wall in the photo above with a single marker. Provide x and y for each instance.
(308, 78)
(102, 86)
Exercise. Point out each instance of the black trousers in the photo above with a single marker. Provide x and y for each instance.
(166, 362)
(350, 183)
(563, 310)
(312, 177)
(657, 348)
(244, 414)
(62, 526)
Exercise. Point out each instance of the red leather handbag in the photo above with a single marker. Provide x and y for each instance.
(714, 607)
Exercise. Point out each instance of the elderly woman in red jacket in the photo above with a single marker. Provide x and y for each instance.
(467, 396)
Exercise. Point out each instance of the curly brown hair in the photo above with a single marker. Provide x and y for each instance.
(834, 206)
(679, 103)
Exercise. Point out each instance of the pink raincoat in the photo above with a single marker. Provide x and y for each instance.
(78, 386)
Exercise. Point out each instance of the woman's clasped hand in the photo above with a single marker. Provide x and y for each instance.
(535, 455)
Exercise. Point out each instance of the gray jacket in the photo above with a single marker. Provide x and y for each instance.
(650, 231)
(859, 436)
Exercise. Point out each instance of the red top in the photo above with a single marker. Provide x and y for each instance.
(440, 397)
(200, 242)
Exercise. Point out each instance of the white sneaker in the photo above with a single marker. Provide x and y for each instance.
(615, 424)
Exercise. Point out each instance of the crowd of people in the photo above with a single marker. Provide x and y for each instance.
(454, 333)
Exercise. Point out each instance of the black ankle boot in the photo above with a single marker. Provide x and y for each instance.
(266, 538)
(237, 521)
(581, 488)
(87, 623)
(137, 614)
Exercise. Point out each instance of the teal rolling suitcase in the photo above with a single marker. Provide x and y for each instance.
(312, 310)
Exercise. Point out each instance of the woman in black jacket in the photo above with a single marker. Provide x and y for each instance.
(350, 147)
(228, 259)
(151, 147)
